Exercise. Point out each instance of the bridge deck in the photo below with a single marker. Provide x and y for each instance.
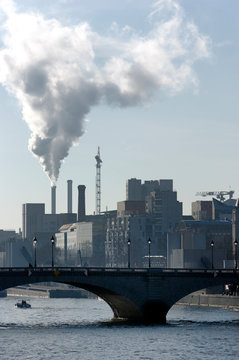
(121, 271)
(129, 270)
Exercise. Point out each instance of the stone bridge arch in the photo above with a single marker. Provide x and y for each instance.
(138, 295)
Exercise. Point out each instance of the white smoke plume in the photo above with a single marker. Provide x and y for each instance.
(58, 73)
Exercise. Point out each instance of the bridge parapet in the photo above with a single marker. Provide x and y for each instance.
(120, 270)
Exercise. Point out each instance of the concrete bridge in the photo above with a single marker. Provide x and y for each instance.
(140, 295)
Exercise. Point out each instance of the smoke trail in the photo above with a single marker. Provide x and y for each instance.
(58, 73)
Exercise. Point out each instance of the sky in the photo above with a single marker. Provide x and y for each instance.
(153, 83)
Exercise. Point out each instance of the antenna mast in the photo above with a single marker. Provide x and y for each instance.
(98, 181)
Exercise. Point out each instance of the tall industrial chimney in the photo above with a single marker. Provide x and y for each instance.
(53, 199)
(81, 202)
(69, 196)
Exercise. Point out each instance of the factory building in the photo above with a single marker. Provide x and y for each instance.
(137, 229)
(83, 242)
(215, 222)
(130, 207)
(235, 232)
(202, 210)
(7, 253)
(190, 244)
(222, 210)
(127, 223)
(166, 212)
(134, 190)
(102, 239)
(150, 210)
(37, 223)
(213, 209)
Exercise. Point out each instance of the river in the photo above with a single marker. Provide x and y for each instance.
(62, 329)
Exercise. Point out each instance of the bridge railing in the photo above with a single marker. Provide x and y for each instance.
(113, 270)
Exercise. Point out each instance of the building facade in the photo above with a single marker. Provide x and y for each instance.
(121, 229)
(222, 210)
(82, 243)
(235, 233)
(150, 210)
(202, 210)
(11, 249)
(134, 190)
(190, 244)
(35, 222)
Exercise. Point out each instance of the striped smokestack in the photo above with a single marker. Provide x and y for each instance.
(53, 199)
(69, 196)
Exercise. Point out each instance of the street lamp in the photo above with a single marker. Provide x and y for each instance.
(52, 247)
(149, 243)
(129, 242)
(212, 245)
(35, 251)
(235, 244)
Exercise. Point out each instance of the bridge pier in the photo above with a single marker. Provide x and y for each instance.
(154, 312)
(150, 312)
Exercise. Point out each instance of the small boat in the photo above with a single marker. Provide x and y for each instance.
(23, 305)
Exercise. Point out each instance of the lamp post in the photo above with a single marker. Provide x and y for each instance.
(235, 244)
(52, 249)
(212, 245)
(129, 242)
(149, 243)
(35, 251)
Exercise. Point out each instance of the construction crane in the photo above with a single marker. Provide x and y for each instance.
(98, 182)
(219, 194)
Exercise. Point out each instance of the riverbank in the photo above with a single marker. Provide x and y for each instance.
(211, 300)
(48, 291)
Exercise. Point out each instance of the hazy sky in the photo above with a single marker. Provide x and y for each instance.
(153, 83)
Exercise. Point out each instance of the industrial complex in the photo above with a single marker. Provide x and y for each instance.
(146, 229)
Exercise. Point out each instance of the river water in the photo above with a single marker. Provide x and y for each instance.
(82, 329)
